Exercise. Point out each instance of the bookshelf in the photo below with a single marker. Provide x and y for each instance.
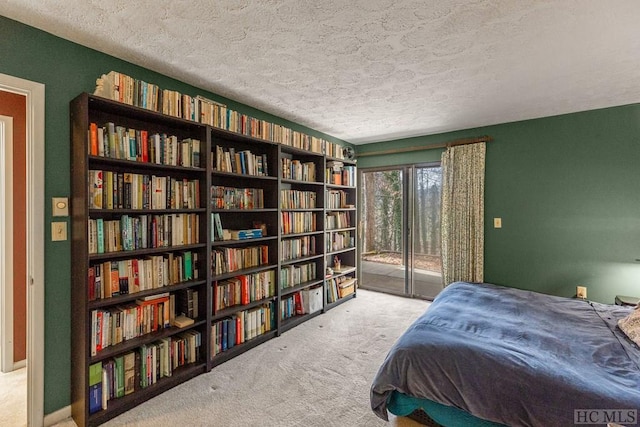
(244, 263)
(340, 231)
(191, 245)
(301, 236)
(139, 233)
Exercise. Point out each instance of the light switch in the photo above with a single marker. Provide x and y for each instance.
(60, 206)
(58, 231)
(497, 222)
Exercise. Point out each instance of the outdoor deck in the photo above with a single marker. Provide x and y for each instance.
(389, 278)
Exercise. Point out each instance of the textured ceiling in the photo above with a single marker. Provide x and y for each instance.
(372, 70)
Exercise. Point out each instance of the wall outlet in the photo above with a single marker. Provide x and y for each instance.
(581, 292)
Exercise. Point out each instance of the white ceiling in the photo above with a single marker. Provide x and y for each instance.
(372, 70)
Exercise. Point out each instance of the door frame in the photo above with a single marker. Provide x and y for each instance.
(6, 245)
(408, 219)
(405, 170)
(35, 131)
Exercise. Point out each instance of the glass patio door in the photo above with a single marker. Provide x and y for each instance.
(426, 259)
(400, 230)
(383, 258)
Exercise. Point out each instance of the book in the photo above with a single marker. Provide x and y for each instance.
(93, 139)
(137, 370)
(95, 189)
(101, 146)
(188, 265)
(119, 386)
(225, 329)
(123, 277)
(115, 279)
(105, 387)
(129, 372)
(218, 226)
(231, 333)
(95, 387)
(246, 234)
(262, 226)
(162, 295)
(100, 235)
(187, 302)
(182, 321)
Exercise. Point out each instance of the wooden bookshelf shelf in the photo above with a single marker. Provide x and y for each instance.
(122, 299)
(244, 176)
(340, 251)
(242, 241)
(292, 322)
(99, 161)
(245, 211)
(241, 348)
(123, 404)
(301, 182)
(139, 341)
(234, 309)
(339, 301)
(338, 186)
(143, 252)
(243, 272)
(296, 288)
(287, 188)
(309, 233)
(302, 259)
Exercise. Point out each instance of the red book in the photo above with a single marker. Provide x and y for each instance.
(92, 284)
(337, 178)
(145, 145)
(93, 139)
(244, 286)
(238, 327)
(115, 279)
(297, 302)
(99, 331)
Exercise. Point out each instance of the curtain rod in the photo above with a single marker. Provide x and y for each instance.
(463, 141)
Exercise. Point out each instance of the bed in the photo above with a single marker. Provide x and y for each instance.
(487, 355)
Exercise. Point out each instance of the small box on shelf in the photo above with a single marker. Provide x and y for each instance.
(347, 287)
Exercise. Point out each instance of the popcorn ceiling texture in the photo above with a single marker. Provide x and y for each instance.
(372, 70)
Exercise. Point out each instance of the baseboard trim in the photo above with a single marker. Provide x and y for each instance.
(58, 416)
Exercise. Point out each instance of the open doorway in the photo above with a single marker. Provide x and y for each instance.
(6, 248)
(28, 155)
(13, 278)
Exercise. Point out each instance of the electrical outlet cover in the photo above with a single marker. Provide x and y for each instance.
(581, 292)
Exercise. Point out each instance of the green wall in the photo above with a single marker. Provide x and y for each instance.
(566, 187)
(568, 191)
(68, 69)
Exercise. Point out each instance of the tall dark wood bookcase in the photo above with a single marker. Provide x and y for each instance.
(341, 256)
(301, 235)
(245, 198)
(306, 222)
(87, 300)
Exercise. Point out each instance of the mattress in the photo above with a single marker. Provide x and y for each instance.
(513, 357)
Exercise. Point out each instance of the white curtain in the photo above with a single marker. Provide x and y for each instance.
(463, 169)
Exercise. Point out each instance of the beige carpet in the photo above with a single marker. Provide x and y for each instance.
(13, 398)
(315, 375)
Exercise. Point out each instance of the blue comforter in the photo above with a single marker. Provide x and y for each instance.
(513, 357)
